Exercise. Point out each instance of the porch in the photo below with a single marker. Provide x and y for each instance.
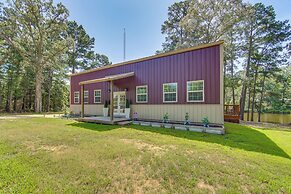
(231, 113)
(117, 101)
(103, 120)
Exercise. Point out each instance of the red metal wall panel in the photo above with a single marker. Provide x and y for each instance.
(201, 64)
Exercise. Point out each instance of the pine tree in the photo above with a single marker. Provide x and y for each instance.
(36, 30)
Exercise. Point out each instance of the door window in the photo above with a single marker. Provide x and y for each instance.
(119, 99)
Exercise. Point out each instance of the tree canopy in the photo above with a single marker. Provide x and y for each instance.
(38, 44)
(257, 48)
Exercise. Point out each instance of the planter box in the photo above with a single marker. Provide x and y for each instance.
(200, 129)
(156, 124)
(181, 127)
(167, 125)
(105, 112)
(196, 129)
(135, 122)
(214, 131)
(127, 113)
(145, 123)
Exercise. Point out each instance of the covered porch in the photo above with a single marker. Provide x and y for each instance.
(111, 119)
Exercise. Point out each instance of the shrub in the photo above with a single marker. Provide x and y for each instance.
(205, 122)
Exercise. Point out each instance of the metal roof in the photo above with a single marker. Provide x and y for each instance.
(153, 57)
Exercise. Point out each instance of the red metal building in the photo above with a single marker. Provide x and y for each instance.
(179, 82)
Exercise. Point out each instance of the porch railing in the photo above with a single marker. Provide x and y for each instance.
(231, 113)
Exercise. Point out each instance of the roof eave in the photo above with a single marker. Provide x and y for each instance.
(108, 78)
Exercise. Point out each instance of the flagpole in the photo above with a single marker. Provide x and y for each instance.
(124, 44)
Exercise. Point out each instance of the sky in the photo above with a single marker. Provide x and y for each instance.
(105, 19)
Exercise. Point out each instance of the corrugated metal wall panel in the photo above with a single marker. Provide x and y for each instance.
(193, 65)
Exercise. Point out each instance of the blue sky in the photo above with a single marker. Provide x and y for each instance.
(105, 19)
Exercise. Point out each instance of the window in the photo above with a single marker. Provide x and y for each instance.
(170, 92)
(86, 97)
(141, 94)
(76, 97)
(97, 96)
(195, 91)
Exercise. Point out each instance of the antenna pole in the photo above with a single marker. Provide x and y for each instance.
(124, 44)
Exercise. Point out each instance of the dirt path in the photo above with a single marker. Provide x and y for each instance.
(17, 116)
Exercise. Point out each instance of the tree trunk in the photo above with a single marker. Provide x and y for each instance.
(243, 95)
(1, 99)
(232, 68)
(254, 92)
(8, 101)
(49, 91)
(232, 84)
(15, 103)
(73, 69)
(23, 104)
(9, 95)
(285, 87)
(0, 83)
(261, 99)
(1, 96)
(246, 79)
(30, 100)
(249, 104)
(38, 92)
(224, 88)
(48, 101)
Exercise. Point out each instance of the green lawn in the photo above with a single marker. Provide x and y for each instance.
(53, 155)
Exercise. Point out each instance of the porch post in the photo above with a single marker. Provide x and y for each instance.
(82, 100)
(111, 101)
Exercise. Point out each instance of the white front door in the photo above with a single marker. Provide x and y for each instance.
(119, 103)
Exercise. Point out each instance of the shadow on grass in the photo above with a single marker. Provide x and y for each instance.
(237, 136)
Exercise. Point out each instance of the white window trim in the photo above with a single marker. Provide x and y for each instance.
(95, 97)
(170, 93)
(195, 91)
(136, 94)
(87, 97)
(77, 102)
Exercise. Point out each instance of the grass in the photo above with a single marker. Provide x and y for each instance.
(42, 155)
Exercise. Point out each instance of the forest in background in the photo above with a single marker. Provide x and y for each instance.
(257, 49)
(39, 47)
